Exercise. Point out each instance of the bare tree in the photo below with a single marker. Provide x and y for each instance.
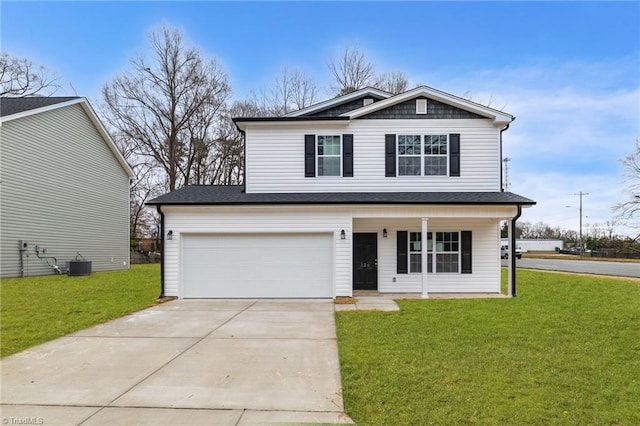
(393, 82)
(19, 77)
(228, 164)
(167, 104)
(351, 71)
(290, 91)
(628, 211)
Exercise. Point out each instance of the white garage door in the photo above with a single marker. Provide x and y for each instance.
(257, 265)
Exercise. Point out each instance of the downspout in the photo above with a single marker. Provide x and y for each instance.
(512, 250)
(161, 251)
(501, 171)
(244, 159)
(244, 156)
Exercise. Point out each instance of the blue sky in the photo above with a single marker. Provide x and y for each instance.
(569, 71)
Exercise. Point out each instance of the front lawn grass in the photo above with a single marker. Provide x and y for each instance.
(565, 351)
(35, 310)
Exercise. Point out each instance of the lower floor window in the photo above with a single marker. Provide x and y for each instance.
(446, 252)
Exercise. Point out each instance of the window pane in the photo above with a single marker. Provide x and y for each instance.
(447, 262)
(409, 166)
(435, 166)
(328, 145)
(415, 263)
(409, 144)
(429, 263)
(329, 166)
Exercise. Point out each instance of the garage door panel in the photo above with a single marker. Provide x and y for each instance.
(257, 265)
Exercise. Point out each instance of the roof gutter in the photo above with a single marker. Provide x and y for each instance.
(158, 207)
(512, 250)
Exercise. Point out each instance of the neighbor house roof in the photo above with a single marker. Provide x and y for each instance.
(10, 106)
(235, 195)
(17, 108)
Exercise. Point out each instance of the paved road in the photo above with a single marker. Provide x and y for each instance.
(581, 266)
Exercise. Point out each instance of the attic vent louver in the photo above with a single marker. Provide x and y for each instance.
(421, 106)
(368, 101)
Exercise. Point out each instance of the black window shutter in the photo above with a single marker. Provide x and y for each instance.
(347, 155)
(466, 252)
(309, 155)
(390, 155)
(403, 246)
(454, 154)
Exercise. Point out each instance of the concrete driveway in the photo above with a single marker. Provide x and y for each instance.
(193, 362)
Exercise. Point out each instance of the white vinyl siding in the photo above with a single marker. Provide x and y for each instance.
(483, 221)
(257, 220)
(63, 190)
(282, 169)
(485, 277)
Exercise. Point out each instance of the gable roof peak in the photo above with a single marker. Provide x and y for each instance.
(340, 100)
(498, 117)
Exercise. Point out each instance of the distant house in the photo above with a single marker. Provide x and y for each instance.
(537, 244)
(367, 191)
(64, 188)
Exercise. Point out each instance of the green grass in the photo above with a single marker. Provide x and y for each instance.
(35, 310)
(565, 351)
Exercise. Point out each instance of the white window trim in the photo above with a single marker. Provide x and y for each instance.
(433, 252)
(328, 156)
(422, 156)
(410, 252)
(398, 156)
(425, 155)
(436, 252)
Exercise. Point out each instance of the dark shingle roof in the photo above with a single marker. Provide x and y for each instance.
(10, 106)
(235, 195)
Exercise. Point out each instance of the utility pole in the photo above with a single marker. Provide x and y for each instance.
(581, 194)
(506, 173)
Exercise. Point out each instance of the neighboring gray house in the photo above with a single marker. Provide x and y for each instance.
(64, 188)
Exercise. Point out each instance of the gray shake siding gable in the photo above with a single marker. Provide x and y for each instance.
(343, 108)
(63, 190)
(435, 109)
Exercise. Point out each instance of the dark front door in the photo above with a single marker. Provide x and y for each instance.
(365, 261)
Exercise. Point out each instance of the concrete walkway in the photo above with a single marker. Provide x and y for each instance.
(374, 301)
(223, 362)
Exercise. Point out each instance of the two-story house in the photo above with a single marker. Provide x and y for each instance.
(372, 191)
(64, 189)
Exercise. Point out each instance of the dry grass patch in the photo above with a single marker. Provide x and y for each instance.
(342, 300)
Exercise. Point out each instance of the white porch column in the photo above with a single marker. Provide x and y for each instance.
(510, 263)
(425, 292)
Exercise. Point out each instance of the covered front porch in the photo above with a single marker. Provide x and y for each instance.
(429, 251)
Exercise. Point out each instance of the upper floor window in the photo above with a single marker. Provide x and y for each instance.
(409, 155)
(435, 155)
(422, 155)
(329, 156)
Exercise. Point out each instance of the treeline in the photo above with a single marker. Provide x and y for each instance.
(595, 236)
